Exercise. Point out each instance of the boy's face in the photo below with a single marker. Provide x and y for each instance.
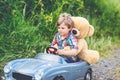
(63, 29)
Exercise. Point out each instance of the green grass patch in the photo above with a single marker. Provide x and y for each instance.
(117, 73)
(103, 45)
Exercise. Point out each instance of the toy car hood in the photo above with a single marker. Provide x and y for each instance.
(38, 64)
(31, 66)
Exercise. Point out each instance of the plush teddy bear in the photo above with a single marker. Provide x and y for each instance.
(83, 29)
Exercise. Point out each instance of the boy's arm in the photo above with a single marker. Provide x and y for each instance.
(68, 53)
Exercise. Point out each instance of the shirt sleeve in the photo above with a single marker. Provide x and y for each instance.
(73, 42)
(54, 41)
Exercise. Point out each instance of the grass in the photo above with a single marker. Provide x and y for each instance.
(117, 73)
(116, 44)
(103, 45)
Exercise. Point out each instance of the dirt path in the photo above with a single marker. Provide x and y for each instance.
(107, 68)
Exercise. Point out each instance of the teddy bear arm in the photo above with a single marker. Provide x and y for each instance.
(82, 45)
(91, 56)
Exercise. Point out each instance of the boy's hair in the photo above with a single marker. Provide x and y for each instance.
(65, 18)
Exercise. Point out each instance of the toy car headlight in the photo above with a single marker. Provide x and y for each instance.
(7, 68)
(39, 76)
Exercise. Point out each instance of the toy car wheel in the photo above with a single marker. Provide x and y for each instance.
(88, 75)
(59, 78)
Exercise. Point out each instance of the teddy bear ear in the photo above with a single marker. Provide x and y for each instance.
(75, 31)
(91, 30)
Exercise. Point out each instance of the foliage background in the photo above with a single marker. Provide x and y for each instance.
(28, 26)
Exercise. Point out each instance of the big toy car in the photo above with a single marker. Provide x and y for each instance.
(47, 67)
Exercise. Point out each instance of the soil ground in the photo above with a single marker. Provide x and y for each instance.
(107, 68)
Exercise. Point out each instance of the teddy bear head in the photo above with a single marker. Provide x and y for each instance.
(82, 28)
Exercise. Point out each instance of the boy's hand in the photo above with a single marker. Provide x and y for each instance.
(67, 48)
(56, 46)
(60, 52)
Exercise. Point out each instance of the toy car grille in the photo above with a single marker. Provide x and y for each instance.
(18, 76)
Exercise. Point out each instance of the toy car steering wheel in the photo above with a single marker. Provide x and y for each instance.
(51, 50)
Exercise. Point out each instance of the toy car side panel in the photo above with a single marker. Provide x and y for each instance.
(62, 70)
(70, 71)
(79, 69)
